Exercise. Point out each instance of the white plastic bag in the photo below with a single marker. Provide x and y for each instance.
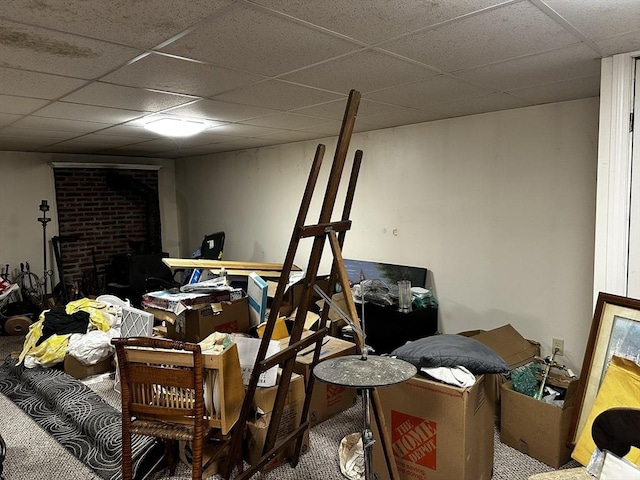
(91, 347)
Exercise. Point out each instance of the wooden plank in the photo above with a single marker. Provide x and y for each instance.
(243, 267)
(182, 359)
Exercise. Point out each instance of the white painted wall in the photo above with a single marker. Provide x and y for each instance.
(27, 178)
(500, 207)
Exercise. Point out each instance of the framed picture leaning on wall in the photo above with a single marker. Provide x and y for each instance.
(615, 330)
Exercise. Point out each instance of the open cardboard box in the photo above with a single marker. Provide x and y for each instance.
(513, 348)
(537, 428)
(293, 294)
(77, 369)
(197, 322)
(257, 427)
(326, 400)
(337, 322)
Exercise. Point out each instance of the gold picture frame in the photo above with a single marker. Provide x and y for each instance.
(615, 329)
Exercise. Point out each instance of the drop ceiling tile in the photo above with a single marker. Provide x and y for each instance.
(423, 94)
(363, 71)
(100, 141)
(570, 62)
(403, 117)
(195, 151)
(242, 130)
(242, 144)
(48, 51)
(628, 42)
(328, 129)
(20, 105)
(335, 110)
(599, 19)
(170, 74)
(329, 110)
(561, 91)
(57, 135)
(45, 139)
(169, 143)
(361, 127)
(290, 121)
(74, 111)
(64, 147)
(46, 123)
(8, 118)
(243, 37)
(134, 149)
(213, 136)
(7, 140)
(288, 137)
(383, 19)
(488, 103)
(278, 95)
(38, 85)
(162, 144)
(508, 32)
(220, 111)
(128, 130)
(115, 96)
(143, 23)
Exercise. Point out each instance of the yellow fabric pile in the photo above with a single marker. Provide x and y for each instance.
(54, 348)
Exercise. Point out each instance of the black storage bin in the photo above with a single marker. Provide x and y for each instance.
(387, 328)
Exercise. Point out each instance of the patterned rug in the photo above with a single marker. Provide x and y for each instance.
(72, 413)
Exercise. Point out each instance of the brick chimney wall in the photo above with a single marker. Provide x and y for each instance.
(102, 219)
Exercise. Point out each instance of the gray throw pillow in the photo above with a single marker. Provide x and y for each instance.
(450, 350)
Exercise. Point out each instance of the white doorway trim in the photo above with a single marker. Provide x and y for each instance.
(613, 194)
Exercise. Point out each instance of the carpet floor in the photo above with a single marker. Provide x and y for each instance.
(35, 455)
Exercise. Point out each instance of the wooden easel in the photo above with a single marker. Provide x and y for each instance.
(335, 232)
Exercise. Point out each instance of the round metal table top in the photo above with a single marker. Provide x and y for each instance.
(354, 371)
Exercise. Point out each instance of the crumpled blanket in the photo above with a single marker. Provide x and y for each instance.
(53, 349)
(458, 376)
(351, 453)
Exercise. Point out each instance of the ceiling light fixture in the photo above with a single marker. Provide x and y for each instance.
(176, 127)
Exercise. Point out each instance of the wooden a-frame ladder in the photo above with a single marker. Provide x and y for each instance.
(335, 232)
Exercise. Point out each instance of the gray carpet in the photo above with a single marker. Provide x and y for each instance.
(33, 454)
(72, 413)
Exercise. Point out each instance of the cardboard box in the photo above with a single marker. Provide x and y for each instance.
(199, 321)
(177, 303)
(337, 322)
(513, 348)
(77, 369)
(293, 294)
(437, 431)
(543, 431)
(326, 400)
(257, 427)
(508, 343)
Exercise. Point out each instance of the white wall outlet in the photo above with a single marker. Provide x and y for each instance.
(557, 345)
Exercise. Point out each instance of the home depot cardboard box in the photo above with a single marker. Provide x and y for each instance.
(326, 400)
(437, 431)
(197, 322)
(513, 348)
(263, 402)
(77, 369)
(537, 428)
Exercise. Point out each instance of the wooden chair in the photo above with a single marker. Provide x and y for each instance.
(162, 398)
